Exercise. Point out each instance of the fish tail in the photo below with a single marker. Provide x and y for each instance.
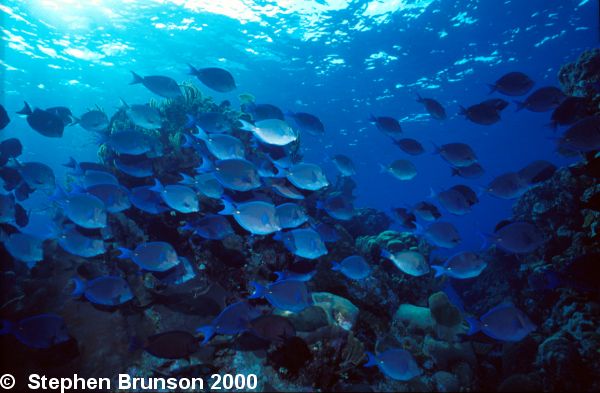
(259, 290)
(207, 331)
(386, 254)
(474, 325)
(79, 287)
(186, 179)
(439, 270)
(157, 187)
(486, 239)
(193, 70)
(520, 105)
(123, 103)
(71, 164)
(454, 171)
(492, 88)
(59, 194)
(382, 168)
(462, 111)
(74, 120)
(201, 133)
(190, 122)
(371, 359)
(335, 266)
(280, 276)
(136, 79)
(228, 207)
(188, 141)
(26, 109)
(436, 148)
(246, 126)
(125, 253)
(372, 118)
(419, 98)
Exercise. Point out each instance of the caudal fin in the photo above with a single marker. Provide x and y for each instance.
(193, 70)
(259, 290)
(474, 325)
(492, 88)
(371, 359)
(136, 79)
(439, 270)
(26, 109)
(207, 331)
(79, 287)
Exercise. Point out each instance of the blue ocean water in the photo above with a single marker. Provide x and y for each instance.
(341, 60)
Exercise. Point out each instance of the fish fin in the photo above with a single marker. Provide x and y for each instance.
(492, 88)
(123, 104)
(136, 79)
(79, 287)
(157, 187)
(193, 70)
(206, 166)
(462, 110)
(201, 134)
(58, 195)
(474, 325)
(520, 105)
(487, 240)
(228, 207)
(454, 171)
(135, 344)
(419, 98)
(371, 359)
(71, 164)
(280, 276)
(188, 141)
(7, 327)
(259, 290)
(26, 109)
(190, 121)
(386, 254)
(439, 270)
(247, 126)
(125, 253)
(372, 118)
(186, 179)
(335, 266)
(436, 148)
(382, 168)
(207, 331)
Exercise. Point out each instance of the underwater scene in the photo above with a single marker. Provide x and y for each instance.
(300, 196)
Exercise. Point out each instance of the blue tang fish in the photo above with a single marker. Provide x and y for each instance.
(291, 215)
(397, 364)
(504, 322)
(289, 295)
(178, 197)
(461, 266)
(24, 247)
(410, 262)
(73, 242)
(354, 267)
(40, 331)
(105, 291)
(152, 256)
(211, 226)
(147, 200)
(304, 242)
(234, 319)
(257, 217)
